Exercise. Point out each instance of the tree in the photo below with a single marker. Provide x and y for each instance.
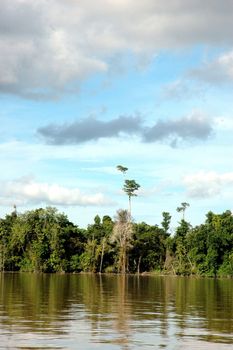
(40, 240)
(98, 233)
(122, 236)
(148, 251)
(122, 168)
(5, 237)
(130, 186)
(182, 263)
(166, 222)
(182, 209)
(107, 225)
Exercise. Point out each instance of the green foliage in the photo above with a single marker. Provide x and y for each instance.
(130, 187)
(148, 251)
(44, 240)
(166, 222)
(180, 262)
(183, 208)
(38, 241)
(122, 169)
(226, 269)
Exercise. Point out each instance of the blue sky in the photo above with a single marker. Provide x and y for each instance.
(86, 86)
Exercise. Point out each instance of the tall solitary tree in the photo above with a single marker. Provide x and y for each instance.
(182, 209)
(130, 187)
(122, 169)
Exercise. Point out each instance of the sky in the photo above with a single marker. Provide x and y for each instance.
(89, 85)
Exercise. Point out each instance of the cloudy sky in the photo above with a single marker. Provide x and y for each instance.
(88, 85)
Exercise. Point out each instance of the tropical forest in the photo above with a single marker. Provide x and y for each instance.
(44, 240)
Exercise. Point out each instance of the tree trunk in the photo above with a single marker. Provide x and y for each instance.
(139, 263)
(123, 269)
(102, 256)
(130, 208)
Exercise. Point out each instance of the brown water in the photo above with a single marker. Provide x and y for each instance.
(115, 312)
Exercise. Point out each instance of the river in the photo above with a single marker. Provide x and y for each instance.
(113, 312)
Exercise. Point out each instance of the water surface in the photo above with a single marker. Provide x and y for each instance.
(114, 312)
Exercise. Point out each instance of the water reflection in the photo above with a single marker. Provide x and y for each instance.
(114, 312)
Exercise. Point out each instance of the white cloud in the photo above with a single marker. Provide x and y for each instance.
(47, 45)
(26, 190)
(154, 191)
(217, 71)
(181, 90)
(207, 184)
(226, 60)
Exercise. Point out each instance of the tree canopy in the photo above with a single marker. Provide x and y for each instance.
(44, 240)
(122, 168)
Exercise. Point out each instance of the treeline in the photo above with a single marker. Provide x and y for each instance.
(44, 240)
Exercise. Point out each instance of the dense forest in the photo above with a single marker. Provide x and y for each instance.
(44, 240)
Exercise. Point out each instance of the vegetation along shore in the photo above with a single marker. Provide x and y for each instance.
(44, 240)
